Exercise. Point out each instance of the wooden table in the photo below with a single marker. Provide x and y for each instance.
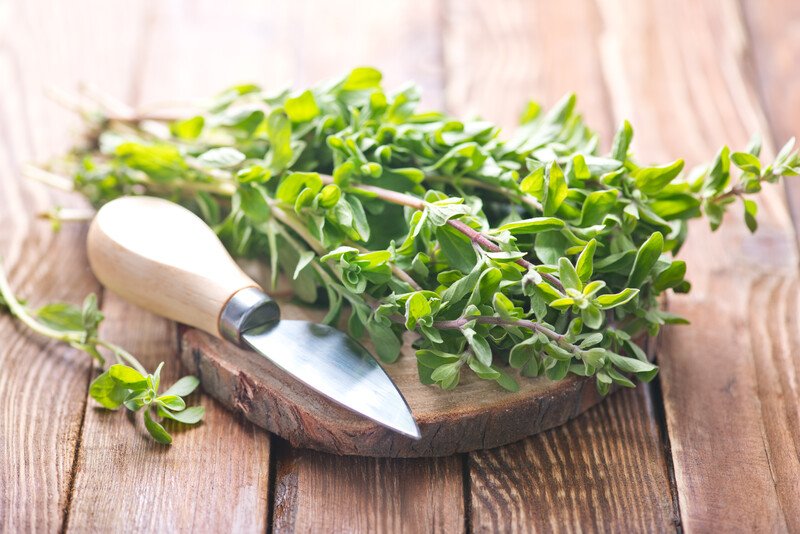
(713, 445)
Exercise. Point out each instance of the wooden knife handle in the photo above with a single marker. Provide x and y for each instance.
(164, 258)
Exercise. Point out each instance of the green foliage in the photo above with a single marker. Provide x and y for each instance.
(536, 254)
(123, 383)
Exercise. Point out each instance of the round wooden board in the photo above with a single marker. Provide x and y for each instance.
(478, 414)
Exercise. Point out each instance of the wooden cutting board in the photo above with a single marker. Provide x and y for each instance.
(478, 414)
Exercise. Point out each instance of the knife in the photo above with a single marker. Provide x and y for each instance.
(162, 257)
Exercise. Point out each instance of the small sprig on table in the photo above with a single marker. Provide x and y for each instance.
(125, 383)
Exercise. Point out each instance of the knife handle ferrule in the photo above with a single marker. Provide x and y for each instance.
(247, 309)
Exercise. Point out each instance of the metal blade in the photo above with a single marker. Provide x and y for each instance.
(336, 365)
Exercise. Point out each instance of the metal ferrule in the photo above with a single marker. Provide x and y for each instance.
(248, 308)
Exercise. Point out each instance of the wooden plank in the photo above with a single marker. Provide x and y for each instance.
(318, 492)
(176, 35)
(774, 48)
(42, 384)
(605, 470)
(730, 379)
(774, 42)
(213, 478)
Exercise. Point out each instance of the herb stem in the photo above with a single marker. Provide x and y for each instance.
(19, 311)
(475, 236)
(461, 322)
(458, 324)
(122, 354)
(478, 184)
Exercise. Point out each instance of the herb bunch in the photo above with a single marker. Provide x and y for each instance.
(125, 383)
(533, 251)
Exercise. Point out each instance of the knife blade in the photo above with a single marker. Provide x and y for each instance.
(164, 258)
(336, 365)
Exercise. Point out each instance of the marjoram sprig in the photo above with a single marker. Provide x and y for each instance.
(532, 254)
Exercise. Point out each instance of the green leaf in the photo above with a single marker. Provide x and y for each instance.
(568, 276)
(127, 376)
(435, 358)
(646, 258)
(254, 202)
(747, 162)
(301, 108)
(160, 162)
(246, 119)
(221, 158)
(61, 316)
(505, 381)
(671, 276)
(531, 226)
(633, 365)
(750, 210)
(362, 78)
(559, 370)
(447, 375)
(622, 140)
(439, 214)
(189, 416)
(479, 345)
(482, 370)
(156, 430)
(417, 307)
(107, 391)
(585, 265)
(592, 316)
(91, 316)
(556, 191)
(386, 343)
(187, 129)
(651, 180)
(522, 353)
(597, 205)
(172, 402)
(606, 302)
(279, 131)
(533, 184)
(253, 174)
(183, 387)
(456, 248)
(550, 246)
(306, 257)
(290, 187)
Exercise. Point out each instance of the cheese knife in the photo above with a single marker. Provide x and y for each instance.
(162, 257)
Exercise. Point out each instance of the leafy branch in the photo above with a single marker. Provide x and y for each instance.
(531, 255)
(123, 383)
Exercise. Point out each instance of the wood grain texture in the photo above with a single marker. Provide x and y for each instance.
(310, 41)
(773, 45)
(605, 470)
(367, 495)
(729, 379)
(476, 415)
(42, 384)
(594, 473)
(213, 478)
